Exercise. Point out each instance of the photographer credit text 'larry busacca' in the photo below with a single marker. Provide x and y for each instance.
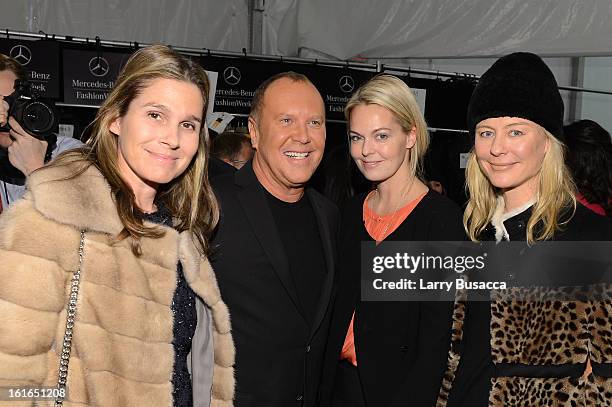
(434, 271)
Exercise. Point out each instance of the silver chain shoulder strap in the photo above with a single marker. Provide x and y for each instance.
(70, 316)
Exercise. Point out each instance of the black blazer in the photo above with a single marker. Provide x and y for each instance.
(218, 167)
(278, 353)
(402, 347)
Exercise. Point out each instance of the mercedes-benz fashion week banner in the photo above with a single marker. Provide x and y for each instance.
(41, 60)
(83, 74)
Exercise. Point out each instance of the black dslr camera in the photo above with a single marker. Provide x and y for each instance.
(37, 116)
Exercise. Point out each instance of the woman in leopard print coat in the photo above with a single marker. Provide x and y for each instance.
(527, 353)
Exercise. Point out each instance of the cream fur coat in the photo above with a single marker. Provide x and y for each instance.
(122, 353)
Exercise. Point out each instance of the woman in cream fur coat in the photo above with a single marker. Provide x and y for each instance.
(123, 226)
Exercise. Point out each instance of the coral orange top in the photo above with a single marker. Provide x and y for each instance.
(598, 209)
(379, 228)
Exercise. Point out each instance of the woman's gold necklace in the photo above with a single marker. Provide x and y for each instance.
(393, 217)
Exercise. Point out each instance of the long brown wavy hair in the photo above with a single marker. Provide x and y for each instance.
(189, 197)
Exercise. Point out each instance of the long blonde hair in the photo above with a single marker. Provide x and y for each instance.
(554, 197)
(189, 197)
(392, 93)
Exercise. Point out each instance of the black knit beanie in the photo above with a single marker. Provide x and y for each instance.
(518, 85)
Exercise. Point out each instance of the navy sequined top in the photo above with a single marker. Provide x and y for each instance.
(185, 320)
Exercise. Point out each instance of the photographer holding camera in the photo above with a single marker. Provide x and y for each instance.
(21, 152)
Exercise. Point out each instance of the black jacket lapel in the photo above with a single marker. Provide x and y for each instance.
(328, 241)
(255, 205)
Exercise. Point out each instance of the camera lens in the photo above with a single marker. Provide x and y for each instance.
(38, 117)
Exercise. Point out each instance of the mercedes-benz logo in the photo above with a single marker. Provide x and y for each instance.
(231, 75)
(98, 66)
(21, 54)
(346, 83)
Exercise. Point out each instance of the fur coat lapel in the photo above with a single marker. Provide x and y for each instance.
(84, 202)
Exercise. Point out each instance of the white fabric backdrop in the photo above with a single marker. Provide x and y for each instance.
(334, 28)
(446, 28)
(214, 24)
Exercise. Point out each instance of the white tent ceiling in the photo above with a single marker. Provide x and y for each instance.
(448, 28)
(335, 28)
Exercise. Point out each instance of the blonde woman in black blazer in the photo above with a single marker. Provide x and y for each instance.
(396, 352)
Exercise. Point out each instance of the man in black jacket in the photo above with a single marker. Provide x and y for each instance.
(274, 249)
